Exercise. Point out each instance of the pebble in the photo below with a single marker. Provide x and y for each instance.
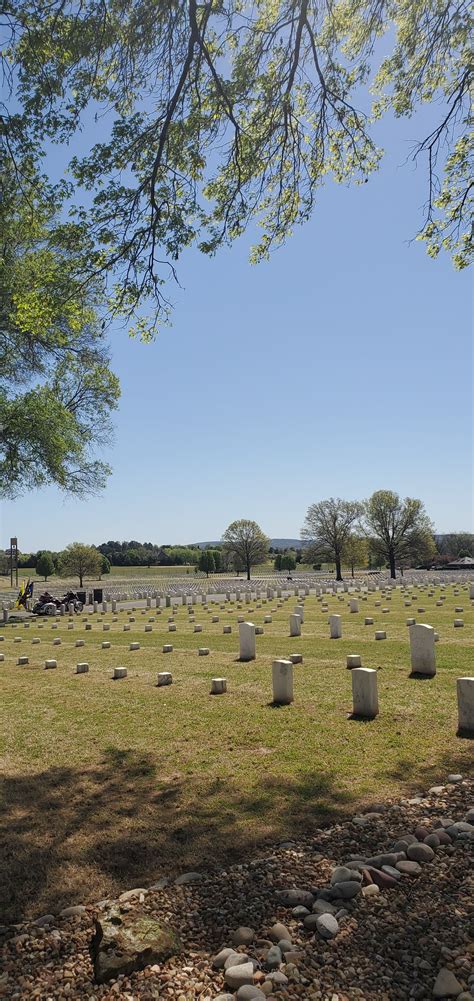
(371, 890)
(273, 958)
(243, 936)
(278, 931)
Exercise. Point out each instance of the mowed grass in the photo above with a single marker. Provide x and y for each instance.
(111, 784)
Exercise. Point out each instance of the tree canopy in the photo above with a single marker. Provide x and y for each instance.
(399, 530)
(79, 560)
(328, 526)
(246, 544)
(56, 387)
(223, 116)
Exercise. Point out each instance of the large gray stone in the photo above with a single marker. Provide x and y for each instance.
(446, 985)
(250, 992)
(237, 976)
(295, 897)
(347, 889)
(420, 853)
(327, 926)
(127, 941)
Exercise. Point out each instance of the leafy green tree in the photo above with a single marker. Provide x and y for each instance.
(79, 560)
(247, 544)
(356, 552)
(45, 564)
(229, 115)
(399, 531)
(217, 559)
(327, 528)
(56, 389)
(206, 562)
(104, 566)
(288, 562)
(278, 562)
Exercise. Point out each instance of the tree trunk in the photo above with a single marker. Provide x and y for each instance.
(393, 572)
(80, 580)
(352, 569)
(338, 568)
(248, 571)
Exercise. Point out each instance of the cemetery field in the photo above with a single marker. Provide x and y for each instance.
(107, 785)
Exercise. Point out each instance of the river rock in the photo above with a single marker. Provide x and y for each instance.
(250, 992)
(327, 926)
(324, 907)
(342, 874)
(278, 931)
(420, 853)
(238, 976)
(236, 959)
(409, 868)
(220, 958)
(296, 898)
(273, 958)
(347, 889)
(446, 985)
(128, 941)
(243, 936)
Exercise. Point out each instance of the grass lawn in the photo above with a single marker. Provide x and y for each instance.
(108, 785)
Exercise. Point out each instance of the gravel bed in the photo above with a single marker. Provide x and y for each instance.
(390, 945)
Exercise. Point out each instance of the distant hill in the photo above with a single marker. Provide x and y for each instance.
(275, 544)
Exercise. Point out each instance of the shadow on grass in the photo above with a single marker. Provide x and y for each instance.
(72, 835)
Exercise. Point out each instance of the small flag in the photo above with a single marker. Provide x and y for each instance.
(21, 600)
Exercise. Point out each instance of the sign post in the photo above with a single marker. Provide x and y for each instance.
(13, 560)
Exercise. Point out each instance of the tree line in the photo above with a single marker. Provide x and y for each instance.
(383, 531)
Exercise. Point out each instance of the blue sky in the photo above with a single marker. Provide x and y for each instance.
(342, 366)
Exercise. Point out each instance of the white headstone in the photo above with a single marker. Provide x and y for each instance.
(465, 694)
(164, 678)
(354, 605)
(422, 649)
(299, 610)
(295, 625)
(82, 668)
(119, 672)
(218, 686)
(365, 701)
(335, 627)
(247, 641)
(282, 680)
(353, 660)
